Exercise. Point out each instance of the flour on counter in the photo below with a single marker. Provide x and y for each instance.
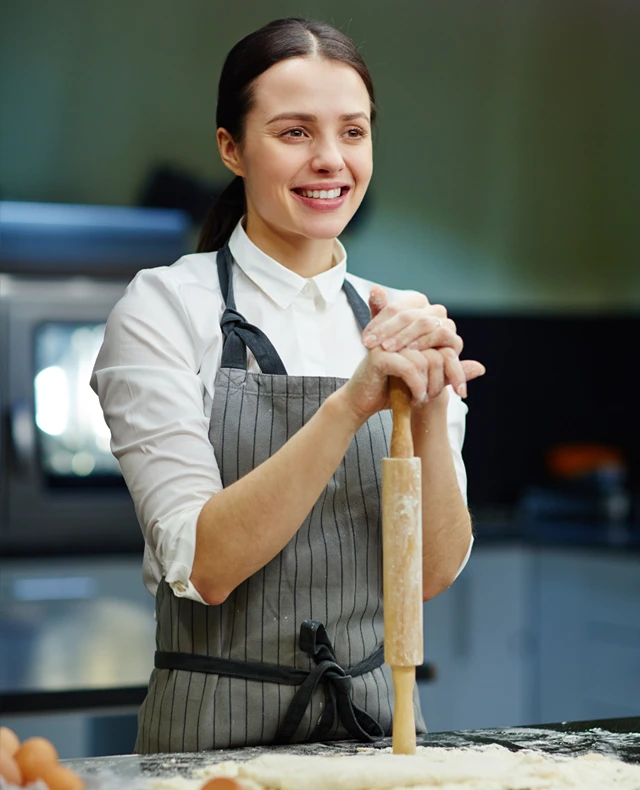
(490, 767)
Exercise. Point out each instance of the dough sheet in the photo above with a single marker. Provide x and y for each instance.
(490, 767)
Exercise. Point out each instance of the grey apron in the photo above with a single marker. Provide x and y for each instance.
(295, 653)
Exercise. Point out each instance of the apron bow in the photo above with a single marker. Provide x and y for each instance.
(338, 686)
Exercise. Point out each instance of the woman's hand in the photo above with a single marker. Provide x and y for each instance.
(411, 323)
(367, 391)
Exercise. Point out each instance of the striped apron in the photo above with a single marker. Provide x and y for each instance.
(295, 653)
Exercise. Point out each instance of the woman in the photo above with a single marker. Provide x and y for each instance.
(246, 389)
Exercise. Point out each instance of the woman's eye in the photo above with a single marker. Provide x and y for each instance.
(294, 133)
(356, 132)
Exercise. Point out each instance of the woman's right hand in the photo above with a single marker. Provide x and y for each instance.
(424, 371)
(367, 391)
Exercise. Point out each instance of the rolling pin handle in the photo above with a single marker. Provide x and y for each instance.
(401, 437)
(404, 722)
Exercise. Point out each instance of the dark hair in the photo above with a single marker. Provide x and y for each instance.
(277, 41)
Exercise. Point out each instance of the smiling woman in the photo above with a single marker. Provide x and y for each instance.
(307, 121)
(319, 146)
(246, 388)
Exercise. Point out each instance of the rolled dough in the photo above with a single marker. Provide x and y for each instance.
(477, 768)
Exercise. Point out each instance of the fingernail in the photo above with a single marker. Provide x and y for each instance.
(389, 345)
(415, 344)
(462, 390)
(424, 398)
(369, 340)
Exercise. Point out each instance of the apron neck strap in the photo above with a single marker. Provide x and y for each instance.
(358, 305)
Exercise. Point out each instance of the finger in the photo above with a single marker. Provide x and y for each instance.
(453, 371)
(378, 300)
(439, 309)
(473, 369)
(413, 371)
(409, 301)
(436, 377)
(393, 322)
(441, 336)
(400, 325)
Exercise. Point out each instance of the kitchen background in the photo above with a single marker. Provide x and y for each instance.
(506, 185)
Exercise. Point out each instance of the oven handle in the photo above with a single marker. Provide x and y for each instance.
(23, 434)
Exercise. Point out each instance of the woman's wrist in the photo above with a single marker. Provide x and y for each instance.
(431, 417)
(435, 407)
(341, 412)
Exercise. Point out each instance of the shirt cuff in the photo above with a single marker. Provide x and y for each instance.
(185, 589)
(176, 544)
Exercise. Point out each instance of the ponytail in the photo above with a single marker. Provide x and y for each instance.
(223, 217)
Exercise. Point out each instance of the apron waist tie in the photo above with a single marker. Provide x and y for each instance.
(337, 683)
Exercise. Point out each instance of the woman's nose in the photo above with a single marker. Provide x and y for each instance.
(327, 157)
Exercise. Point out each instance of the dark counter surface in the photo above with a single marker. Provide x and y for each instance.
(613, 737)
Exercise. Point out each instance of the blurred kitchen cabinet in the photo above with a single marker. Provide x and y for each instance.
(588, 613)
(478, 635)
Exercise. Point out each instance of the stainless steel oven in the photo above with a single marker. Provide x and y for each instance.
(61, 489)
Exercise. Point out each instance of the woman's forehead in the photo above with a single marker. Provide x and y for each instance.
(312, 86)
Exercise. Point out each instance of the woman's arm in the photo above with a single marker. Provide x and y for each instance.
(241, 528)
(244, 526)
(248, 523)
(446, 523)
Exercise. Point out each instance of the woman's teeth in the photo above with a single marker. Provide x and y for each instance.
(323, 194)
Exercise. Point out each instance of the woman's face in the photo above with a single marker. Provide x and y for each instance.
(309, 131)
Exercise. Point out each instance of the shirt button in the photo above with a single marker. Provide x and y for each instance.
(307, 289)
(180, 587)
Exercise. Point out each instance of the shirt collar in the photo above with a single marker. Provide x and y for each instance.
(279, 283)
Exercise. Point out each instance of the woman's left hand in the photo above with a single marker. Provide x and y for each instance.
(411, 322)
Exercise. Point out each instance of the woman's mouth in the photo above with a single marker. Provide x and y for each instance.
(322, 199)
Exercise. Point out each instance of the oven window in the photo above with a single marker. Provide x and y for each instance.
(73, 438)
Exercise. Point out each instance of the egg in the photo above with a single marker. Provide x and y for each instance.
(58, 777)
(9, 741)
(34, 756)
(221, 783)
(9, 769)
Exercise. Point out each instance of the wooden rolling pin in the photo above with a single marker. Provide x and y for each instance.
(402, 567)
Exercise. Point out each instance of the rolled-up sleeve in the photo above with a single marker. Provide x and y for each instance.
(456, 421)
(146, 377)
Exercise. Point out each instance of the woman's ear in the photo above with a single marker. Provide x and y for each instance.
(229, 152)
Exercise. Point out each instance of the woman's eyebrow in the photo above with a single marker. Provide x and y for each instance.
(302, 116)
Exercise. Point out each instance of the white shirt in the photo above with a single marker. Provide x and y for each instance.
(155, 377)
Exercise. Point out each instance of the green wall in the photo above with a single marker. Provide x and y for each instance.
(507, 170)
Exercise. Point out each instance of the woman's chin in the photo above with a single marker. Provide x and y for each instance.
(322, 228)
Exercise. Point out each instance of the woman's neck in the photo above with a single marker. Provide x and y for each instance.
(306, 257)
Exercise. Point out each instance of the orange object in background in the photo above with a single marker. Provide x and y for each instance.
(9, 769)
(221, 783)
(34, 756)
(58, 777)
(34, 759)
(9, 741)
(575, 460)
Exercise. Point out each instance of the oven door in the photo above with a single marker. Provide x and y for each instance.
(62, 489)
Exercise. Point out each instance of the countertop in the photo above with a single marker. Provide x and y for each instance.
(613, 737)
